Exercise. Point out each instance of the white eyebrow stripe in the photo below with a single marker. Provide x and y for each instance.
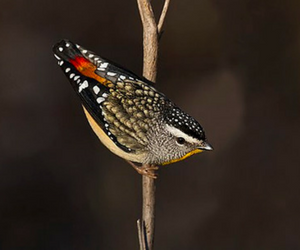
(178, 133)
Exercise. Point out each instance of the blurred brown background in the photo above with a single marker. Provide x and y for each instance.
(233, 65)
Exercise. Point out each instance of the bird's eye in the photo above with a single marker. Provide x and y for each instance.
(180, 140)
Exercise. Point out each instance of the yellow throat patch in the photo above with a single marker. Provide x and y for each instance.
(196, 151)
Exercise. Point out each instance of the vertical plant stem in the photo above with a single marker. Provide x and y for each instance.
(150, 40)
(150, 53)
(149, 210)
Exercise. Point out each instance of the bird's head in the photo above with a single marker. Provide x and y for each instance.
(180, 136)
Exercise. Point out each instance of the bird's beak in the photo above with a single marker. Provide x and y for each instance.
(205, 146)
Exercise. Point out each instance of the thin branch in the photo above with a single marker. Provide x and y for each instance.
(149, 210)
(141, 234)
(163, 16)
(151, 34)
(150, 39)
(150, 52)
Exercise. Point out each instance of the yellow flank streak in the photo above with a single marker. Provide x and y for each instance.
(196, 151)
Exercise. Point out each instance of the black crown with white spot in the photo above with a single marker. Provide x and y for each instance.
(184, 122)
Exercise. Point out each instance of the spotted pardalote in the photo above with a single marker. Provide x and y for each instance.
(131, 118)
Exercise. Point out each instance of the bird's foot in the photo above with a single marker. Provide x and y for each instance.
(148, 170)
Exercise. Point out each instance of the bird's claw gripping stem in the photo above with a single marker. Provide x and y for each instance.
(148, 170)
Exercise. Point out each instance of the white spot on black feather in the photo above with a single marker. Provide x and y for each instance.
(111, 73)
(103, 65)
(84, 85)
(100, 99)
(96, 89)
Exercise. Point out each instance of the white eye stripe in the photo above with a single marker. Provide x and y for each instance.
(178, 133)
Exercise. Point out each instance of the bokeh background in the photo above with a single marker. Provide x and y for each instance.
(233, 65)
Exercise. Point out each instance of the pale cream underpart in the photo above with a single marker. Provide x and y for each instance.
(110, 144)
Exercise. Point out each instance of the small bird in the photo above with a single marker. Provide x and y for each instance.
(129, 116)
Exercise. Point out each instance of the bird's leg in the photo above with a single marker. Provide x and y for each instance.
(148, 170)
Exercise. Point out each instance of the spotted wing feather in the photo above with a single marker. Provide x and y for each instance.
(112, 95)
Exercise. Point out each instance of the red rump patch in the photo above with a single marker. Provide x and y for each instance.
(86, 68)
(81, 63)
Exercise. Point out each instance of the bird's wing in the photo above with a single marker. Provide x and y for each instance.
(100, 85)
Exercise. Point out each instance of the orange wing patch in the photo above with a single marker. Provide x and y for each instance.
(87, 68)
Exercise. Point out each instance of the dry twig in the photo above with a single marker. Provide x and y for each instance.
(163, 16)
(151, 34)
